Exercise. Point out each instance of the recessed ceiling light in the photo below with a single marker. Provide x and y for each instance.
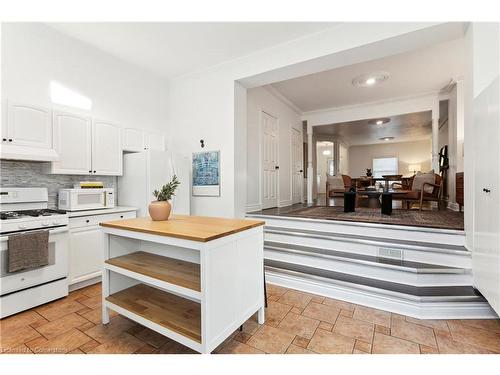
(386, 138)
(327, 152)
(379, 121)
(371, 79)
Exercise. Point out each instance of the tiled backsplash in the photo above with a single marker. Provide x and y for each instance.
(30, 174)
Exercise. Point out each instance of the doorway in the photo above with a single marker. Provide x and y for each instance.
(270, 167)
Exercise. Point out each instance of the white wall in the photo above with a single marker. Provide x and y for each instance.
(34, 54)
(417, 152)
(261, 99)
(202, 104)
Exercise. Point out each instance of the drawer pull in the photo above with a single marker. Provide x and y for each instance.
(87, 221)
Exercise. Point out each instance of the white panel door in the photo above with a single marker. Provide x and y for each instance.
(486, 252)
(297, 168)
(106, 149)
(85, 254)
(270, 166)
(73, 143)
(133, 140)
(28, 125)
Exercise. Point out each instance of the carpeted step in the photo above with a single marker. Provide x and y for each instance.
(390, 242)
(395, 264)
(413, 293)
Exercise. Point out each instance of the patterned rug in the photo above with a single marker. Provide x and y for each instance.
(431, 219)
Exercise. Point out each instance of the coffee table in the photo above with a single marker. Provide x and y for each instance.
(373, 197)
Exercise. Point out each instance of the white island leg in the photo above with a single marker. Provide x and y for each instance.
(105, 281)
(261, 315)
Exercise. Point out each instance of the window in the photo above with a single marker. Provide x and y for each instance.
(385, 166)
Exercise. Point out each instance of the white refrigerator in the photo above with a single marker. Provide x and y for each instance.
(146, 171)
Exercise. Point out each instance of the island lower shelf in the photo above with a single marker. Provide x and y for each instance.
(167, 310)
(170, 270)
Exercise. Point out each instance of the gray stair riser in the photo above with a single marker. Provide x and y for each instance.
(368, 260)
(371, 271)
(380, 291)
(458, 260)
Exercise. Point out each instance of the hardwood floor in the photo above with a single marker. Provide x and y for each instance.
(296, 323)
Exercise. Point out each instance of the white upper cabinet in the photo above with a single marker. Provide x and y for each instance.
(133, 140)
(29, 125)
(27, 133)
(106, 149)
(86, 147)
(155, 141)
(73, 143)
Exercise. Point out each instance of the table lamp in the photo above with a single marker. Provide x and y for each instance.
(414, 168)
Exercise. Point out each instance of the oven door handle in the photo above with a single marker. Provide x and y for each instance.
(52, 231)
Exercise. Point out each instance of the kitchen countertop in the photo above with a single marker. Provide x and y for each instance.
(194, 228)
(101, 211)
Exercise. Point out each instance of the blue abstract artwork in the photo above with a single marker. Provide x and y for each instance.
(206, 173)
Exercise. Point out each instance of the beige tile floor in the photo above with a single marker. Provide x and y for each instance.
(296, 323)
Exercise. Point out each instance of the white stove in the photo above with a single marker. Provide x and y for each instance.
(24, 210)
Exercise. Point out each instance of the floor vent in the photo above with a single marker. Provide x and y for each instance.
(387, 252)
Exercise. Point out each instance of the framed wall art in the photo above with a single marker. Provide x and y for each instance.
(206, 174)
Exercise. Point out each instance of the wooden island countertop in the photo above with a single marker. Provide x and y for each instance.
(194, 228)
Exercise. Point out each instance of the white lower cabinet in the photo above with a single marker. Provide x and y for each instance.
(86, 248)
(85, 254)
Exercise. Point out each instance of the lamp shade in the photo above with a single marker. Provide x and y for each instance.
(414, 167)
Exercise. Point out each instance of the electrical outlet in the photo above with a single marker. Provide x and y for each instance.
(387, 252)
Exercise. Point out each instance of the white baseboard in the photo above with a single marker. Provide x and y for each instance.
(285, 203)
(423, 310)
(84, 283)
(253, 207)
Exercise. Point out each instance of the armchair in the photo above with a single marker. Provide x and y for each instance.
(337, 191)
(422, 195)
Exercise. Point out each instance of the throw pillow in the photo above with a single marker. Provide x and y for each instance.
(336, 182)
(420, 178)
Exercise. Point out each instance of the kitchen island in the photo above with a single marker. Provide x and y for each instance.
(193, 279)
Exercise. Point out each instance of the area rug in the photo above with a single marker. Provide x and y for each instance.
(430, 219)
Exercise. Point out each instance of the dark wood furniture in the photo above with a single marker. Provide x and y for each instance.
(417, 196)
(459, 190)
(332, 193)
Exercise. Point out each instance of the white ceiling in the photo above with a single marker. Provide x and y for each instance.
(174, 49)
(404, 128)
(412, 73)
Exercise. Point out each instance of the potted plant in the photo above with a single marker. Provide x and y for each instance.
(160, 209)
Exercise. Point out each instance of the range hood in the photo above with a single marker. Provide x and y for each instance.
(14, 152)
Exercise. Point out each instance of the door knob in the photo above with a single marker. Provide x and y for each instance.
(486, 190)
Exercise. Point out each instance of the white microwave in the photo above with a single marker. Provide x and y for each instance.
(86, 199)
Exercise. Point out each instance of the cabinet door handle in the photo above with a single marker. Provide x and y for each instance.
(94, 171)
(4, 139)
(486, 190)
(10, 140)
(90, 171)
(277, 167)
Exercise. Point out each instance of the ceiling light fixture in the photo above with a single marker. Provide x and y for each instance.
(379, 121)
(370, 80)
(327, 152)
(386, 138)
